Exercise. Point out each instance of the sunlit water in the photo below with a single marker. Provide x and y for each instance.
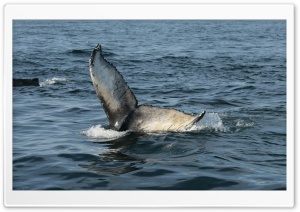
(234, 70)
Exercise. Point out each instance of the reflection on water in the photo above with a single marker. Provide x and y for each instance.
(126, 154)
(112, 160)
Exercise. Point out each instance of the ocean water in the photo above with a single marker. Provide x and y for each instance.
(234, 70)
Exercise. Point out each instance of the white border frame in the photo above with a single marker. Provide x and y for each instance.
(147, 198)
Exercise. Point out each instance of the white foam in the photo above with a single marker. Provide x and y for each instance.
(52, 81)
(100, 132)
(242, 123)
(210, 121)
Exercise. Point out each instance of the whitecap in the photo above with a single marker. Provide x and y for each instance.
(98, 131)
(52, 81)
(243, 123)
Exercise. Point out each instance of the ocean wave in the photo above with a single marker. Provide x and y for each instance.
(247, 87)
(52, 81)
(100, 132)
(210, 121)
(219, 102)
(174, 57)
(30, 62)
(80, 51)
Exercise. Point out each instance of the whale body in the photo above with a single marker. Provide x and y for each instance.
(122, 108)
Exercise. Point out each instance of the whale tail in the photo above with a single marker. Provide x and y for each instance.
(121, 106)
(116, 98)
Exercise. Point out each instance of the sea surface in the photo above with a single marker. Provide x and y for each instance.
(235, 70)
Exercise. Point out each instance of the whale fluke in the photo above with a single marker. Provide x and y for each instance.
(116, 97)
(121, 106)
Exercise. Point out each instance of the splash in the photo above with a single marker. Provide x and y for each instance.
(52, 81)
(211, 121)
(243, 123)
(100, 132)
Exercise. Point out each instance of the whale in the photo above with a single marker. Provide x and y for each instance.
(122, 108)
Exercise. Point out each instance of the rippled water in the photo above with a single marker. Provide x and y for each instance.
(235, 70)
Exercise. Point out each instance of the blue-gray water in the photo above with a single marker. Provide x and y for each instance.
(235, 70)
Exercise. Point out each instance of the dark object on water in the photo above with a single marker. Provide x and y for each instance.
(26, 82)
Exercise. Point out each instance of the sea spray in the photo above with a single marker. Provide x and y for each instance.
(210, 121)
(52, 81)
(98, 131)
